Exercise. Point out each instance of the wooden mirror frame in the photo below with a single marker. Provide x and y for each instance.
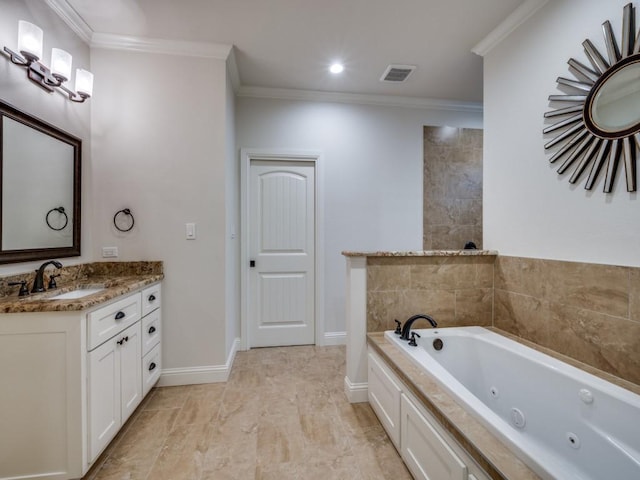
(24, 255)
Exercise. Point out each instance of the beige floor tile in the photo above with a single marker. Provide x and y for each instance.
(280, 440)
(281, 415)
(183, 454)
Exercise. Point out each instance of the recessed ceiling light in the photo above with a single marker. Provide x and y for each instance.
(336, 68)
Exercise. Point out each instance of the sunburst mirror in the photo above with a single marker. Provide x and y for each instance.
(598, 115)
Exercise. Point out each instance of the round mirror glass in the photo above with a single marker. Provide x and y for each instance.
(616, 104)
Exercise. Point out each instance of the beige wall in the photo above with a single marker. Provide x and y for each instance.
(588, 312)
(452, 212)
(159, 148)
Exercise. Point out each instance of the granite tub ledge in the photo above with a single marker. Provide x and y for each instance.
(117, 278)
(422, 253)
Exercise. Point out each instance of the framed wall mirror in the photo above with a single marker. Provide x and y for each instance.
(40, 173)
(598, 127)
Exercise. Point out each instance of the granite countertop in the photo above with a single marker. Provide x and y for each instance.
(117, 278)
(422, 253)
(485, 448)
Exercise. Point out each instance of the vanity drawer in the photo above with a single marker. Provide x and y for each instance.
(150, 299)
(151, 325)
(151, 367)
(111, 319)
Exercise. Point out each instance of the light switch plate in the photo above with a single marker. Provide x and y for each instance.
(191, 231)
(109, 252)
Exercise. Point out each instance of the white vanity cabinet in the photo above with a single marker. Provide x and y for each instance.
(427, 449)
(70, 380)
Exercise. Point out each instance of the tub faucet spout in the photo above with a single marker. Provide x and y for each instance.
(407, 325)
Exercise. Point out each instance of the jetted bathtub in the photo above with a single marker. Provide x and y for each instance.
(562, 422)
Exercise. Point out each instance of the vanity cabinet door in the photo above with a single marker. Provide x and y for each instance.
(115, 386)
(425, 452)
(130, 370)
(103, 396)
(384, 397)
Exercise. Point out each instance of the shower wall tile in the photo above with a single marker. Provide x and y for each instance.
(452, 201)
(456, 291)
(589, 312)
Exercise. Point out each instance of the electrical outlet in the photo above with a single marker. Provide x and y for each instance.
(109, 252)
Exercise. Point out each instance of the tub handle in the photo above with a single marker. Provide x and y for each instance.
(398, 327)
(412, 341)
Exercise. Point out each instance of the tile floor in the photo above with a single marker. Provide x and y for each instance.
(282, 415)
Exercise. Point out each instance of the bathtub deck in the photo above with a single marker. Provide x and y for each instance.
(486, 449)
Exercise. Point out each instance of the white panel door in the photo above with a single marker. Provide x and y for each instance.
(282, 247)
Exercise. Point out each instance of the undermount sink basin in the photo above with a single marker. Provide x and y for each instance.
(78, 293)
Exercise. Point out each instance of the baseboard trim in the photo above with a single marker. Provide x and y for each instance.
(171, 377)
(356, 392)
(335, 338)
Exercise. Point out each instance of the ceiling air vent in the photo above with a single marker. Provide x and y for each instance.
(397, 73)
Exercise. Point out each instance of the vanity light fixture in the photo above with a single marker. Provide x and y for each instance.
(30, 47)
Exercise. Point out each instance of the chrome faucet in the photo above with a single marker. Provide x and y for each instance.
(38, 282)
(407, 325)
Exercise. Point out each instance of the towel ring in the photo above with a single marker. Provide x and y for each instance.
(61, 211)
(127, 212)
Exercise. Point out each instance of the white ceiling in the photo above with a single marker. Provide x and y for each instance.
(290, 43)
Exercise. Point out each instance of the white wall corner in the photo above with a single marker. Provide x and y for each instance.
(232, 68)
(513, 21)
(72, 19)
(171, 377)
(356, 392)
(335, 338)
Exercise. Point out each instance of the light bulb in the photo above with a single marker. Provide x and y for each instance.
(336, 68)
(84, 82)
(61, 64)
(30, 40)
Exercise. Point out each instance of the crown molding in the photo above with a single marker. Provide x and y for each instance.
(513, 21)
(160, 45)
(380, 100)
(71, 18)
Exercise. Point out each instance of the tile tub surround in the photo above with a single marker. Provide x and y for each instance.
(452, 187)
(118, 278)
(457, 290)
(282, 415)
(588, 312)
(382, 286)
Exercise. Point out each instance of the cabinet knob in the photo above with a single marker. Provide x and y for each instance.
(152, 366)
(151, 329)
(152, 298)
(120, 315)
(122, 340)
